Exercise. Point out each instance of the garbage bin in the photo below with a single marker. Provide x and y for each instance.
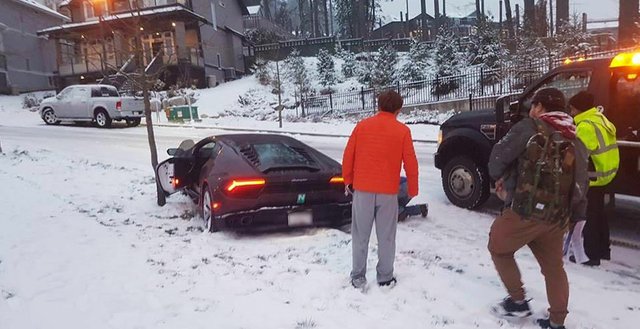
(182, 112)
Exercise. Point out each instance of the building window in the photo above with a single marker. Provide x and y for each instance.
(27, 64)
(213, 15)
(89, 10)
(219, 61)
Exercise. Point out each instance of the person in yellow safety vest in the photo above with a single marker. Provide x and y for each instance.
(598, 134)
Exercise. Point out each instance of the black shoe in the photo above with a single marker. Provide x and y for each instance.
(546, 324)
(389, 283)
(510, 309)
(424, 210)
(402, 216)
(592, 262)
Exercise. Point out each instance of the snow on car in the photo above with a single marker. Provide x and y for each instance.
(101, 104)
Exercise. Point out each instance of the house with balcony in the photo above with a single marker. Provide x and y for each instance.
(184, 42)
(27, 61)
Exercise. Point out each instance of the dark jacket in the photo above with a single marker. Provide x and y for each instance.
(503, 163)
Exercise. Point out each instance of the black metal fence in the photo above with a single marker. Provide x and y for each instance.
(479, 85)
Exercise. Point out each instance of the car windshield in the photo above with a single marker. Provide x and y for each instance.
(278, 154)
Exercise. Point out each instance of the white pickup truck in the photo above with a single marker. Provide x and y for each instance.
(100, 104)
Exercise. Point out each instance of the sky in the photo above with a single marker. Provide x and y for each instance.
(595, 9)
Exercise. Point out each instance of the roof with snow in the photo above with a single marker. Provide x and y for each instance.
(42, 8)
(115, 17)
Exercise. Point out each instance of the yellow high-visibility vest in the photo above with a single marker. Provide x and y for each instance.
(599, 136)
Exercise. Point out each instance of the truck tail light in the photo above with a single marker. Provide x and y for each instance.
(119, 105)
(336, 180)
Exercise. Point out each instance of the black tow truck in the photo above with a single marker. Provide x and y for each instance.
(466, 139)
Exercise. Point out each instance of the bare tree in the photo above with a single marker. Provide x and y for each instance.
(139, 80)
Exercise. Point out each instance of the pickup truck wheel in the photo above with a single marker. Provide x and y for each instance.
(102, 119)
(210, 223)
(50, 117)
(133, 122)
(465, 183)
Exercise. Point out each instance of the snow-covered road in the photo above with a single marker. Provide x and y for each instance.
(83, 245)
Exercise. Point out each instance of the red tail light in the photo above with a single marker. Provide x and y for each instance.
(175, 182)
(336, 180)
(119, 105)
(239, 185)
(215, 205)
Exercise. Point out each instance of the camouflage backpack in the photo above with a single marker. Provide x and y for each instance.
(545, 177)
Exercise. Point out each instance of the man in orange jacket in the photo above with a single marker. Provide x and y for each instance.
(371, 169)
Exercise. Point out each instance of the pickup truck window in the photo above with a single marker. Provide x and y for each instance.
(569, 82)
(104, 92)
(79, 92)
(66, 92)
(626, 117)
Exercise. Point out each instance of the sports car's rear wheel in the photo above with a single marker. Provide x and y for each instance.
(210, 223)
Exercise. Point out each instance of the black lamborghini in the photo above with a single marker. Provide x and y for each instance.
(257, 180)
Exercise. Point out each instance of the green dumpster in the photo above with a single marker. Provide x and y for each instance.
(182, 112)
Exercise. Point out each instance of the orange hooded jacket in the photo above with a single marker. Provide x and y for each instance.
(374, 154)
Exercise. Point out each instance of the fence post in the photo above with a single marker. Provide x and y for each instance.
(373, 94)
(398, 87)
(437, 85)
(482, 81)
(470, 102)
(331, 100)
(362, 96)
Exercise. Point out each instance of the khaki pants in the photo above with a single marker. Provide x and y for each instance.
(508, 234)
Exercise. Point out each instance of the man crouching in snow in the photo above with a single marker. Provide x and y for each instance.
(541, 172)
(371, 169)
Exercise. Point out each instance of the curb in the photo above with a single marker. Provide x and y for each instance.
(625, 244)
(426, 141)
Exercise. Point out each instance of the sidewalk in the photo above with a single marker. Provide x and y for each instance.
(421, 133)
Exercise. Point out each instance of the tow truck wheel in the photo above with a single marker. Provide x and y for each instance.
(210, 223)
(465, 183)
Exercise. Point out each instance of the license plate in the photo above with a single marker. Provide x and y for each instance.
(302, 218)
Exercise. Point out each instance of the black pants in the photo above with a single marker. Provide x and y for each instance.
(596, 230)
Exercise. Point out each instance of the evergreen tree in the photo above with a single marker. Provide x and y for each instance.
(417, 62)
(296, 71)
(447, 61)
(487, 50)
(262, 72)
(350, 65)
(529, 49)
(571, 40)
(326, 69)
(384, 71)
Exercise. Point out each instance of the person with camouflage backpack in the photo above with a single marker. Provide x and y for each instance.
(540, 170)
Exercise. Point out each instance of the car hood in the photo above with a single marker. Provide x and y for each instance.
(473, 118)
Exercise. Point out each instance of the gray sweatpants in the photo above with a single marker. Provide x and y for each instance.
(383, 210)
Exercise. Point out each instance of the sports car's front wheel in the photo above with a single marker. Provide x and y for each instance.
(210, 223)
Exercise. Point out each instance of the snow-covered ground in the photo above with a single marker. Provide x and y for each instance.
(83, 245)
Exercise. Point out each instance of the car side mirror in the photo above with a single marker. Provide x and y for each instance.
(514, 107)
(58, 97)
(172, 151)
